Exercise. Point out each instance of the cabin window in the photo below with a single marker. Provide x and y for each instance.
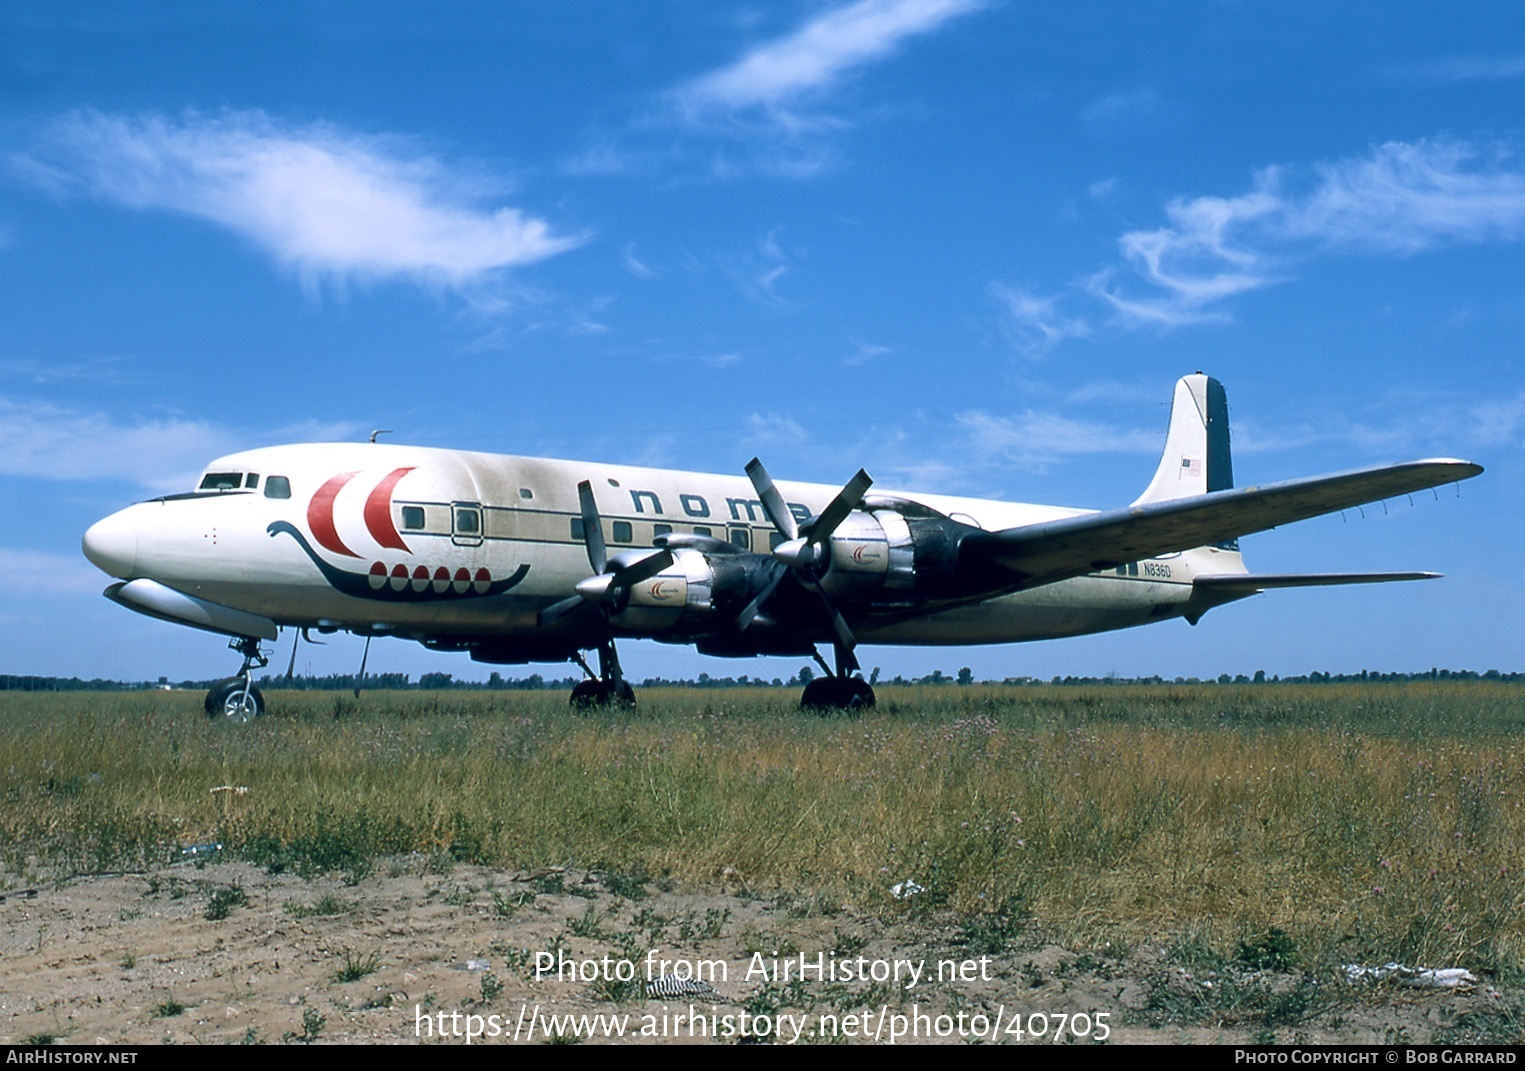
(741, 537)
(622, 532)
(468, 521)
(278, 487)
(413, 518)
(577, 530)
(222, 481)
(660, 529)
(776, 539)
(700, 530)
(526, 493)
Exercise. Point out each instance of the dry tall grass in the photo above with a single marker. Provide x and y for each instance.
(1370, 823)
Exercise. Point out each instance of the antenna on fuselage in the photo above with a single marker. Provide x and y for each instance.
(380, 431)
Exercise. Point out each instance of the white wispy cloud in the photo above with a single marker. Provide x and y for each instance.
(635, 265)
(772, 429)
(1034, 324)
(1035, 440)
(331, 205)
(863, 352)
(1402, 198)
(1467, 69)
(43, 440)
(777, 74)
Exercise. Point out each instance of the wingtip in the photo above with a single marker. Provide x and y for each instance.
(1465, 470)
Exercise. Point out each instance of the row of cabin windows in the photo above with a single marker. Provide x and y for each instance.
(468, 522)
(623, 532)
(275, 486)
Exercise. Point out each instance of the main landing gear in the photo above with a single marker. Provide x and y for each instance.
(608, 687)
(236, 698)
(842, 691)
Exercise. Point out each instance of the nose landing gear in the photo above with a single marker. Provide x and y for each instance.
(236, 698)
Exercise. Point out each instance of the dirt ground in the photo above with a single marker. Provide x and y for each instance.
(409, 953)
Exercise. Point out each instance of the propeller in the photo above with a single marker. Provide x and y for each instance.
(609, 586)
(806, 551)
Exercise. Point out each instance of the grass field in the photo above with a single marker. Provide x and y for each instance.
(1363, 823)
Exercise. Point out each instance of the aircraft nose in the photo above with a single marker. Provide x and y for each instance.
(111, 544)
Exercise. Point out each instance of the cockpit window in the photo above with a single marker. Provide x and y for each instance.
(278, 487)
(251, 481)
(222, 481)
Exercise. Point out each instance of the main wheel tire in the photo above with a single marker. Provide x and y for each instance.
(590, 694)
(230, 700)
(586, 695)
(837, 695)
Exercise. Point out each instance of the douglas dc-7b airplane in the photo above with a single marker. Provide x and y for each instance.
(510, 558)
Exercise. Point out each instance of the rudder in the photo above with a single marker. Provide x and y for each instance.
(1197, 457)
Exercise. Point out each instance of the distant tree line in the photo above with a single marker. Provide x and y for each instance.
(536, 682)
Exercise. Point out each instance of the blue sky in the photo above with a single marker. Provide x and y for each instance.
(967, 245)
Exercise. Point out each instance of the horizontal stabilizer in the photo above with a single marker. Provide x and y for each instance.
(1251, 583)
(1056, 550)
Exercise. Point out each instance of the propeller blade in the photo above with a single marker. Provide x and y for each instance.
(557, 609)
(845, 639)
(846, 501)
(747, 615)
(592, 528)
(772, 502)
(644, 569)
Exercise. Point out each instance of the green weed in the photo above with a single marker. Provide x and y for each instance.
(356, 966)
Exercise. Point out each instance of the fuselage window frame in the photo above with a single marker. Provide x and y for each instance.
(466, 524)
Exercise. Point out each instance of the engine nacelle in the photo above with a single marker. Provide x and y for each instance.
(898, 554)
(871, 553)
(693, 593)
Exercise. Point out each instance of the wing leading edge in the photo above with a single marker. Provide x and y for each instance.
(1057, 550)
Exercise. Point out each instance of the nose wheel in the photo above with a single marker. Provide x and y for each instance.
(236, 698)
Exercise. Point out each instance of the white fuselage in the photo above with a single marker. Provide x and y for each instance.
(440, 544)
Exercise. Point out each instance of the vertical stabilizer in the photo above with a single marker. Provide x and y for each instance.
(1197, 457)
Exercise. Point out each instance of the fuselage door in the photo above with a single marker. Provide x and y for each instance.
(466, 524)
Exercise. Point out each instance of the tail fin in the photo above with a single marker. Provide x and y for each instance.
(1197, 458)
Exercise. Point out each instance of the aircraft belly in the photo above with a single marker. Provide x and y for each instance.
(1071, 608)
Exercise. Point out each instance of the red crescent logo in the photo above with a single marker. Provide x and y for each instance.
(320, 515)
(858, 554)
(658, 593)
(378, 512)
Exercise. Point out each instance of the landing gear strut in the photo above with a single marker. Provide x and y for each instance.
(236, 698)
(844, 690)
(608, 687)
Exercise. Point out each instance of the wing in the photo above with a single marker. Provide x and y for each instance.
(1038, 554)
